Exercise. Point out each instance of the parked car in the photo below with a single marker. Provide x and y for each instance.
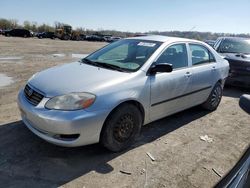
(114, 39)
(110, 94)
(18, 33)
(239, 176)
(82, 37)
(106, 38)
(50, 35)
(95, 38)
(237, 52)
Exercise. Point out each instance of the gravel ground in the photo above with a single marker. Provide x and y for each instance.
(182, 159)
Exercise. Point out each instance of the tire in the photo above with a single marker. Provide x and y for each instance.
(66, 37)
(121, 128)
(214, 98)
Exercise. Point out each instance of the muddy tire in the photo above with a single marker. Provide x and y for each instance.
(121, 128)
(214, 98)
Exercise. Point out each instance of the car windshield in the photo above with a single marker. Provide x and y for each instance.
(235, 46)
(124, 55)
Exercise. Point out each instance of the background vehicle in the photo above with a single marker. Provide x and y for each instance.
(113, 39)
(75, 35)
(50, 35)
(64, 32)
(82, 37)
(107, 37)
(239, 176)
(95, 38)
(237, 52)
(18, 33)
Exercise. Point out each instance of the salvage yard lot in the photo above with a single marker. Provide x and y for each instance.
(182, 159)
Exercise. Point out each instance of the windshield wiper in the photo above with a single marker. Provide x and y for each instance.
(113, 67)
(103, 65)
(87, 61)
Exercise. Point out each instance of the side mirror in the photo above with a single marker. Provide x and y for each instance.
(161, 67)
(245, 103)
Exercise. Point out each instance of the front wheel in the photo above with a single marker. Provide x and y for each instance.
(121, 128)
(214, 98)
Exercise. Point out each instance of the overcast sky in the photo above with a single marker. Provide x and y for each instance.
(230, 16)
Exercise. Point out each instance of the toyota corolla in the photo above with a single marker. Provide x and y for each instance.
(109, 95)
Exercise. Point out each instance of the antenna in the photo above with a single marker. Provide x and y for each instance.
(192, 28)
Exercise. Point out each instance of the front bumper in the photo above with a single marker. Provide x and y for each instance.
(84, 127)
(238, 80)
(239, 74)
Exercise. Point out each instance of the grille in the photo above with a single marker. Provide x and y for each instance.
(32, 96)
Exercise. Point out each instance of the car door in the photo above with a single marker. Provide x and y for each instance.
(168, 90)
(204, 72)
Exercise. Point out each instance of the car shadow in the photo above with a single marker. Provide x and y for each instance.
(235, 92)
(28, 161)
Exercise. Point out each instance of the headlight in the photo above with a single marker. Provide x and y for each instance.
(72, 101)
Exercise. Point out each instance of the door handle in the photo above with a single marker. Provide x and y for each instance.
(213, 68)
(188, 74)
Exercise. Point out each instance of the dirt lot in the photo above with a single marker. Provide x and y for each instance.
(182, 159)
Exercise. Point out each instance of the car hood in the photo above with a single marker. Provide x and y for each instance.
(75, 77)
(236, 56)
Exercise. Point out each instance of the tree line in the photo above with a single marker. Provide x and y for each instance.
(35, 27)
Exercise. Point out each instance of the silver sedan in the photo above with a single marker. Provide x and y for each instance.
(107, 96)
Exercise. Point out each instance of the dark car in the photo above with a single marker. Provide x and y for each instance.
(239, 176)
(95, 38)
(18, 33)
(50, 35)
(237, 52)
(82, 37)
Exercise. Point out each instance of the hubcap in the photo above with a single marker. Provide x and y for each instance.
(123, 128)
(216, 96)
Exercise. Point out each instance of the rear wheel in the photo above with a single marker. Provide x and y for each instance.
(214, 98)
(121, 128)
(66, 37)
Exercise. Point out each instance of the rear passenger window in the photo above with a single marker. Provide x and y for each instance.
(175, 55)
(200, 55)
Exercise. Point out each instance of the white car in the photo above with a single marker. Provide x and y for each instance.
(110, 94)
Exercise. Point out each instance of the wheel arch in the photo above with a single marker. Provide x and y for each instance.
(221, 82)
(133, 102)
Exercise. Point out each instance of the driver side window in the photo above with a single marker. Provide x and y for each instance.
(175, 55)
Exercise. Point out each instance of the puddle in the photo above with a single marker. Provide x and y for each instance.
(58, 55)
(10, 58)
(5, 80)
(79, 55)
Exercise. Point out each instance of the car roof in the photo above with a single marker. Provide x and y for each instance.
(164, 39)
(236, 38)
